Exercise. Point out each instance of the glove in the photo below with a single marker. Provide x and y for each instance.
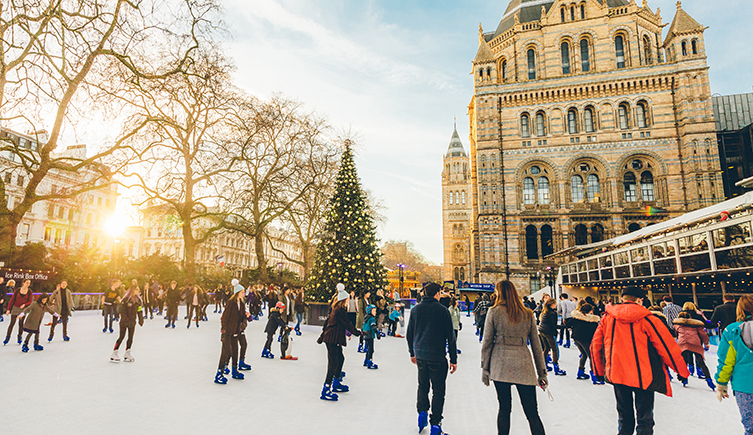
(20, 316)
(543, 382)
(485, 377)
(721, 392)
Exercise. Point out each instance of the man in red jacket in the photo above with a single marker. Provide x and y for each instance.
(632, 350)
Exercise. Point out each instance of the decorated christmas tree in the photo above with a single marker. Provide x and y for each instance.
(348, 251)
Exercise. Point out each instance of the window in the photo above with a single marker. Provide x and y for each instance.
(572, 121)
(525, 129)
(503, 70)
(641, 115)
(543, 190)
(631, 194)
(582, 12)
(694, 46)
(647, 51)
(581, 234)
(540, 124)
(684, 48)
(61, 213)
(572, 13)
(562, 14)
(47, 234)
(532, 243)
(634, 227)
(529, 194)
(8, 178)
(619, 48)
(624, 116)
(565, 51)
(534, 283)
(50, 211)
(597, 233)
(21, 181)
(647, 186)
(481, 74)
(99, 202)
(462, 195)
(67, 238)
(531, 64)
(547, 245)
(592, 188)
(488, 73)
(576, 188)
(588, 120)
(585, 56)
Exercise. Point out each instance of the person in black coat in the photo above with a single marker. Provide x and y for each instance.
(233, 321)
(548, 332)
(725, 314)
(584, 324)
(130, 311)
(333, 335)
(273, 322)
(172, 297)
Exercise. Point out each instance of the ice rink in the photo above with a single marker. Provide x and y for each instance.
(72, 388)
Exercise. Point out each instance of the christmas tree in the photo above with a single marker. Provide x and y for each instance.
(348, 251)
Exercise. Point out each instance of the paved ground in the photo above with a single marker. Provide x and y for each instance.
(71, 388)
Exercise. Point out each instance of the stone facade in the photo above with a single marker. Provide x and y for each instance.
(456, 211)
(586, 124)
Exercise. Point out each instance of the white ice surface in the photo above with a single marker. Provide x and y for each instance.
(72, 388)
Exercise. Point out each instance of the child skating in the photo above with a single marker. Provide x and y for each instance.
(33, 315)
(370, 333)
(275, 321)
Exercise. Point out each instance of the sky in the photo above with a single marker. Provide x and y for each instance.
(398, 72)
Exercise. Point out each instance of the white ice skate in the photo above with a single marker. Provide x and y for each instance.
(115, 358)
(127, 357)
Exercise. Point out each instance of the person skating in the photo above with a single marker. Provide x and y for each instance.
(363, 302)
(482, 307)
(62, 302)
(455, 315)
(3, 296)
(20, 300)
(333, 335)
(369, 331)
(218, 295)
(429, 335)
(584, 323)
(172, 299)
(467, 305)
(548, 332)
(632, 351)
(32, 316)
(735, 354)
(110, 300)
(396, 319)
(233, 323)
(507, 361)
(274, 321)
(565, 310)
(194, 299)
(131, 311)
(692, 338)
(723, 315)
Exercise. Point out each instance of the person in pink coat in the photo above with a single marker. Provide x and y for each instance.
(692, 339)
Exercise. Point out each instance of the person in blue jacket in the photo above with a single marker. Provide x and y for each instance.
(370, 333)
(736, 362)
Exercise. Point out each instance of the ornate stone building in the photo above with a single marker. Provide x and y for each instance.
(456, 211)
(585, 124)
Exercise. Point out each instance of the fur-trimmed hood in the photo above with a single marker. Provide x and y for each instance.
(591, 318)
(660, 315)
(687, 322)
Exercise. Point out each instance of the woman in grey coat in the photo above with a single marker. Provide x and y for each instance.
(506, 359)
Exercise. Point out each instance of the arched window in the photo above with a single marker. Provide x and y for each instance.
(454, 229)
(634, 227)
(457, 274)
(647, 51)
(631, 192)
(540, 124)
(619, 48)
(684, 48)
(572, 121)
(562, 14)
(572, 13)
(694, 46)
(581, 234)
(593, 190)
(565, 51)
(481, 74)
(641, 114)
(547, 241)
(462, 196)
(624, 116)
(462, 273)
(576, 188)
(529, 193)
(585, 56)
(488, 73)
(588, 120)
(504, 69)
(582, 12)
(525, 125)
(543, 186)
(597, 233)
(647, 186)
(532, 243)
(531, 64)
(451, 199)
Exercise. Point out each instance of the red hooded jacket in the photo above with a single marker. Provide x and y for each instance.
(631, 347)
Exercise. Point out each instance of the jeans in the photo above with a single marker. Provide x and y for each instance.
(299, 318)
(123, 329)
(564, 331)
(110, 311)
(432, 374)
(527, 394)
(335, 361)
(745, 404)
(229, 351)
(369, 348)
(63, 320)
(549, 343)
(626, 415)
(585, 354)
(193, 310)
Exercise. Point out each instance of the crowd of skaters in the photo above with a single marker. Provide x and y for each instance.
(630, 343)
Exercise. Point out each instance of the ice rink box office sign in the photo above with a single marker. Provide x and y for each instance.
(19, 275)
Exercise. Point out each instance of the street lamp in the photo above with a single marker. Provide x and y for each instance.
(400, 268)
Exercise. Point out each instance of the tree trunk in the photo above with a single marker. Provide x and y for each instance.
(261, 259)
(8, 227)
(189, 256)
(306, 266)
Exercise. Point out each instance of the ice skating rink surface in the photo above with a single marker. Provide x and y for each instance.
(72, 388)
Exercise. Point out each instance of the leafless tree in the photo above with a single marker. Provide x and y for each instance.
(53, 56)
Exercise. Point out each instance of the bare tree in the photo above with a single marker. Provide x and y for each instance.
(283, 157)
(53, 55)
(403, 252)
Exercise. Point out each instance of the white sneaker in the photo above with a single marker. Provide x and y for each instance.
(115, 358)
(127, 357)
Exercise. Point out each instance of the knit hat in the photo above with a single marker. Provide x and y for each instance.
(341, 293)
(280, 306)
(234, 282)
(634, 291)
(369, 308)
(237, 288)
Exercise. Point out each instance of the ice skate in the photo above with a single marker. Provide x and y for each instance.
(595, 379)
(219, 378)
(6, 341)
(339, 387)
(166, 326)
(582, 375)
(691, 369)
(699, 373)
(243, 366)
(423, 420)
(127, 357)
(111, 331)
(289, 358)
(66, 338)
(38, 347)
(49, 339)
(327, 394)
(237, 375)
(372, 366)
(25, 348)
(115, 358)
(436, 429)
(558, 372)
(567, 344)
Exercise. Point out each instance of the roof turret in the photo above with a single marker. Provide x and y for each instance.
(456, 146)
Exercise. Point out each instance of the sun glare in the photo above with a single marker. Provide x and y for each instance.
(115, 225)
